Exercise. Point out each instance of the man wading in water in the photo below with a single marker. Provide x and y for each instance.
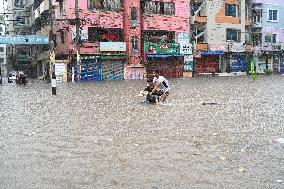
(161, 83)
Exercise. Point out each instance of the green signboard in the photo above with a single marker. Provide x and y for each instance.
(161, 48)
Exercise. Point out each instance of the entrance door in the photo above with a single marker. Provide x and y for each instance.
(91, 69)
(207, 64)
(113, 69)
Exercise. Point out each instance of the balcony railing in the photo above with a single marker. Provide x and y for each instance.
(202, 19)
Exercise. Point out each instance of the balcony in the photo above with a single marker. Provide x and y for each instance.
(248, 22)
(256, 25)
(201, 47)
(201, 19)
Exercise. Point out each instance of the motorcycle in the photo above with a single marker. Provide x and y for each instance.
(21, 79)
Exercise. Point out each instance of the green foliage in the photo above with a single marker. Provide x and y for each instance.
(254, 75)
(268, 71)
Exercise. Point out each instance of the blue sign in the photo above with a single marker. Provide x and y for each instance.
(24, 39)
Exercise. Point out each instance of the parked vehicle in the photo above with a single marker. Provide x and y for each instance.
(12, 77)
(21, 78)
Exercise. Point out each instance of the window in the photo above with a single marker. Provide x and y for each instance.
(61, 5)
(1, 49)
(134, 18)
(104, 35)
(230, 10)
(274, 36)
(158, 7)
(270, 38)
(62, 35)
(134, 45)
(169, 8)
(257, 15)
(159, 36)
(133, 13)
(134, 42)
(105, 5)
(233, 35)
(273, 15)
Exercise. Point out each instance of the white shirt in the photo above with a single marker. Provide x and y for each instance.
(164, 83)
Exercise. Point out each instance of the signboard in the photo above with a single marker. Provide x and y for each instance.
(185, 48)
(185, 45)
(112, 46)
(59, 69)
(237, 47)
(218, 47)
(161, 48)
(24, 39)
(188, 63)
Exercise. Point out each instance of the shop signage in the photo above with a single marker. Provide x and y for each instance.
(161, 48)
(185, 48)
(59, 69)
(188, 63)
(112, 46)
(185, 45)
(237, 47)
(24, 39)
(218, 47)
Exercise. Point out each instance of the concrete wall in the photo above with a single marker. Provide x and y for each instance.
(178, 22)
(218, 23)
(280, 22)
(90, 19)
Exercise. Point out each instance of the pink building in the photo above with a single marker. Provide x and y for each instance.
(114, 36)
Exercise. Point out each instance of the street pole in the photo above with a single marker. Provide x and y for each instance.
(52, 53)
(78, 38)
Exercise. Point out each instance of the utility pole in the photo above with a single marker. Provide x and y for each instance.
(78, 38)
(51, 42)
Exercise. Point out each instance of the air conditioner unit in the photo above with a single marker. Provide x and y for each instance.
(134, 23)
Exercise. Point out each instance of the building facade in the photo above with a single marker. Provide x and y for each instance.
(116, 37)
(3, 53)
(219, 35)
(268, 34)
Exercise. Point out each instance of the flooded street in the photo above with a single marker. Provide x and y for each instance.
(99, 135)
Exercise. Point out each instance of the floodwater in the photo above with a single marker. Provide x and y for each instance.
(99, 135)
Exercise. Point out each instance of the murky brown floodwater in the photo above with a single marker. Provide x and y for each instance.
(98, 135)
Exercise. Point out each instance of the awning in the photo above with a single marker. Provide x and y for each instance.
(211, 52)
(165, 55)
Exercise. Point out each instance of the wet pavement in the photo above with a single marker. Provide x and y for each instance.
(213, 133)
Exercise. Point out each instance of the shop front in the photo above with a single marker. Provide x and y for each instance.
(208, 63)
(238, 61)
(113, 67)
(90, 69)
(113, 59)
(163, 56)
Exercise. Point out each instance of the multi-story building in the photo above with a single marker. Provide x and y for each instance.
(268, 34)
(40, 25)
(17, 24)
(3, 54)
(219, 35)
(121, 39)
